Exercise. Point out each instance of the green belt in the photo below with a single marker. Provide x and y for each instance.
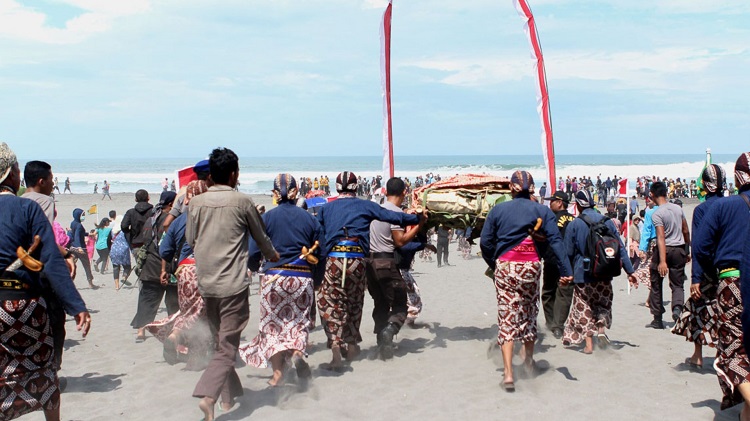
(729, 273)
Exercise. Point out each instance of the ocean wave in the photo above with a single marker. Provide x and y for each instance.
(261, 182)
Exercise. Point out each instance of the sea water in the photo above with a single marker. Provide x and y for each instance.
(257, 173)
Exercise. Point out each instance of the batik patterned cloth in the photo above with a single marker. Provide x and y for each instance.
(341, 306)
(517, 287)
(120, 252)
(191, 306)
(643, 273)
(699, 318)
(413, 297)
(28, 379)
(731, 363)
(284, 319)
(590, 310)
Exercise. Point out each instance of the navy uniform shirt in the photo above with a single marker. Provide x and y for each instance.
(356, 215)
(508, 224)
(20, 220)
(698, 213)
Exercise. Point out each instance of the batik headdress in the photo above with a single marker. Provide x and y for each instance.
(7, 161)
(522, 181)
(742, 171)
(194, 188)
(714, 178)
(346, 182)
(284, 188)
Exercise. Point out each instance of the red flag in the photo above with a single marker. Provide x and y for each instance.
(385, 75)
(185, 176)
(623, 187)
(542, 97)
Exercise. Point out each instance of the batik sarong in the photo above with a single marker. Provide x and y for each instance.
(699, 317)
(191, 310)
(643, 273)
(28, 379)
(517, 287)
(341, 305)
(731, 364)
(284, 319)
(591, 309)
(413, 297)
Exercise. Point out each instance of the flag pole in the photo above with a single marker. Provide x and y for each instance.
(628, 221)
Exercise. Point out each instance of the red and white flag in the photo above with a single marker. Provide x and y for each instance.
(542, 96)
(623, 187)
(185, 176)
(385, 76)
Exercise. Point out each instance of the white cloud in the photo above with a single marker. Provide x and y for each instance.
(19, 22)
(374, 4)
(632, 69)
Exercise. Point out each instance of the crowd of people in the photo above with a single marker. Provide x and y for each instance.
(197, 250)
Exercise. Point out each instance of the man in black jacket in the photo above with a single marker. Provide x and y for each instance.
(135, 218)
(556, 298)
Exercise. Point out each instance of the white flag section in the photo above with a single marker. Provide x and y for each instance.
(542, 96)
(385, 76)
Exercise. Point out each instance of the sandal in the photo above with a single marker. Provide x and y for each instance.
(509, 387)
(603, 340)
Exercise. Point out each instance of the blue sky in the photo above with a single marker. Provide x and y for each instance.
(153, 78)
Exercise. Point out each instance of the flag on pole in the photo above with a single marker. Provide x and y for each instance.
(185, 176)
(385, 76)
(542, 97)
(93, 210)
(622, 187)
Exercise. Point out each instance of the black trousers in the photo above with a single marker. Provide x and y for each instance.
(149, 299)
(556, 298)
(388, 291)
(676, 260)
(442, 252)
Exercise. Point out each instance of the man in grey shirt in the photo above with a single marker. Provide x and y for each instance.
(384, 281)
(673, 242)
(218, 227)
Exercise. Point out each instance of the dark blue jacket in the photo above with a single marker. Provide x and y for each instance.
(698, 213)
(719, 240)
(576, 237)
(410, 249)
(290, 228)
(20, 220)
(175, 233)
(355, 215)
(508, 224)
(722, 242)
(78, 232)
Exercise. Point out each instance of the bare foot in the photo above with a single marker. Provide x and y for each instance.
(227, 406)
(278, 376)
(207, 406)
(336, 364)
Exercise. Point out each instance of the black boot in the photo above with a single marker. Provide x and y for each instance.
(385, 340)
(656, 323)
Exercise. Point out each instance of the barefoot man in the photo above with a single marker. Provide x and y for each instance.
(218, 225)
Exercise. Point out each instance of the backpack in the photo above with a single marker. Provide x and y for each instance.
(602, 250)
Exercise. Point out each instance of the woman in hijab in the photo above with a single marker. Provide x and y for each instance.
(181, 333)
(514, 238)
(286, 295)
(698, 320)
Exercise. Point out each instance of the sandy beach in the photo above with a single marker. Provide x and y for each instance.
(450, 369)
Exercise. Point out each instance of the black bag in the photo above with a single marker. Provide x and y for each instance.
(603, 251)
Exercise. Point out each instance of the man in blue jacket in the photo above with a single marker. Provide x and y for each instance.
(721, 246)
(591, 311)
